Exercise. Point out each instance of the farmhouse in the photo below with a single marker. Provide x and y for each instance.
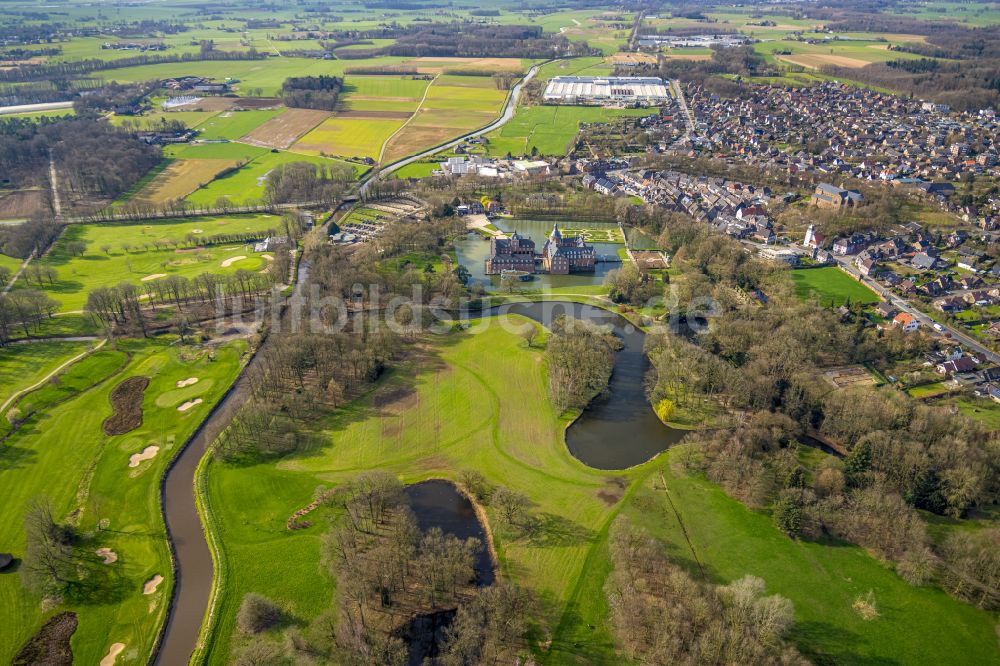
(606, 90)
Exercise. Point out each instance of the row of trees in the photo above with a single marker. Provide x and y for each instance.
(22, 311)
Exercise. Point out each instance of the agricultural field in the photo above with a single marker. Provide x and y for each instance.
(105, 485)
(831, 286)
(232, 125)
(265, 75)
(282, 130)
(21, 204)
(916, 624)
(179, 179)
(454, 105)
(247, 184)
(154, 119)
(550, 129)
(145, 251)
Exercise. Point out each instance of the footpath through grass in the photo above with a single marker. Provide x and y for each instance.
(445, 410)
(63, 454)
(140, 252)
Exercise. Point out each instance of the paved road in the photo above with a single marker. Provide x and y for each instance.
(508, 113)
(905, 306)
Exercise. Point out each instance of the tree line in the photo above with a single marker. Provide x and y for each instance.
(765, 365)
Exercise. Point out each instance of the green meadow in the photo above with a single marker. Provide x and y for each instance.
(22, 366)
(62, 454)
(831, 286)
(234, 124)
(106, 261)
(550, 128)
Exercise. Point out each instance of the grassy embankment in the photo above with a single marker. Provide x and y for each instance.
(62, 453)
(441, 413)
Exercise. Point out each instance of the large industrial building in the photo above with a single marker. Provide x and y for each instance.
(607, 90)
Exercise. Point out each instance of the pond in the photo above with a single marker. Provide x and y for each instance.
(437, 503)
(473, 250)
(618, 430)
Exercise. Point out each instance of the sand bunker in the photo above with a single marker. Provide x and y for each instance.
(113, 653)
(197, 231)
(154, 276)
(148, 453)
(232, 260)
(187, 382)
(267, 257)
(152, 584)
(189, 404)
(110, 556)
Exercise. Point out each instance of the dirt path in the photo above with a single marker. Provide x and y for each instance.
(47, 377)
(409, 120)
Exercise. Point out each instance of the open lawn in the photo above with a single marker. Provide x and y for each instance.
(550, 129)
(246, 184)
(22, 366)
(916, 624)
(156, 119)
(439, 413)
(268, 75)
(831, 286)
(436, 415)
(156, 248)
(63, 454)
(282, 130)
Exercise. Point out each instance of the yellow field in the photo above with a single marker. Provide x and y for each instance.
(817, 60)
(180, 179)
(348, 137)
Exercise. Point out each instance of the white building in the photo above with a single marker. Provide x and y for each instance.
(644, 90)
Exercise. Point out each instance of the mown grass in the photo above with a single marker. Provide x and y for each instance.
(916, 625)
(22, 366)
(64, 455)
(550, 129)
(77, 275)
(451, 415)
(832, 286)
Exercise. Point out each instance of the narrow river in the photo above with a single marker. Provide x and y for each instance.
(615, 432)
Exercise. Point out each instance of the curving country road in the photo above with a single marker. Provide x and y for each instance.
(508, 112)
(192, 559)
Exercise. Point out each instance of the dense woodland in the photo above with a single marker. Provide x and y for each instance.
(94, 158)
(763, 364)
(480, 41)
(312, 92)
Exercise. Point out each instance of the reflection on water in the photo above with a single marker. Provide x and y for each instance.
(473, 250)
(620, 429)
